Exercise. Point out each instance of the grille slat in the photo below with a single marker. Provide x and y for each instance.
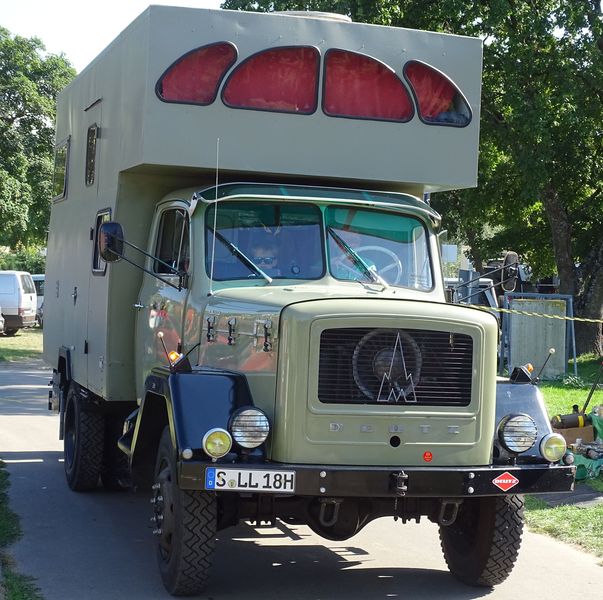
(409, 366)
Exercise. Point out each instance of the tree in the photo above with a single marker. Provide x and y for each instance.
(540, 178)
(29, 83)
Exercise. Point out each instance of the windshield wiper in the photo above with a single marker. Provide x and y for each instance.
(357, 260)
(243, 257)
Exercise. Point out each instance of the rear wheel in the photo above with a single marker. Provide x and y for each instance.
(83, 443)
(10, 332)
(186, 524)
(481, 546)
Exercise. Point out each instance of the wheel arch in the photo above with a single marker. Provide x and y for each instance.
(191, 403)
(153, 416)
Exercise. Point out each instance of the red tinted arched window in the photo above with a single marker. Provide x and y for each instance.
(438, 99)
(278, 80)
(195, 77)
(361, 87)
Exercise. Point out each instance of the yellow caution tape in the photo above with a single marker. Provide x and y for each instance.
(533, 314)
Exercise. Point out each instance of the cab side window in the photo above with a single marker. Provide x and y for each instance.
(99, 266)
(173, 246)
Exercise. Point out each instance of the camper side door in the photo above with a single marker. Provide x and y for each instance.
(161, 307)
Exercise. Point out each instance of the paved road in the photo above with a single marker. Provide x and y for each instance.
(98, 546)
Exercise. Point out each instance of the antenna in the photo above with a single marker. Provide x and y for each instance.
(160, 336)
(551, 352)
(213, 243)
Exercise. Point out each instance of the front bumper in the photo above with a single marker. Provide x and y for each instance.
(417, 482)
(19, 321)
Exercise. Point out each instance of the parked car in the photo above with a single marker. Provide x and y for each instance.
(18, 300)
(38, 280)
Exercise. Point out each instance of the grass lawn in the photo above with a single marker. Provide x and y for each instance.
(580, 526)
(27, 343)
(561, 395)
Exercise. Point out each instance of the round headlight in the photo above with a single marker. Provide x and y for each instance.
(250, 427)
(517, 433)
(553, 447)
(217, 443)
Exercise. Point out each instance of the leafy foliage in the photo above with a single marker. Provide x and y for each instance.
(29, 83)
(24, 258)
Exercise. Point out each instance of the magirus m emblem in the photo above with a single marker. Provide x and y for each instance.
(394, 383)
(387, 366)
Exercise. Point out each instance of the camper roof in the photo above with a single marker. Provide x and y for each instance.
(288, 97)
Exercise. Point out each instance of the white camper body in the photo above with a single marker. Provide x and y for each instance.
(123, 148)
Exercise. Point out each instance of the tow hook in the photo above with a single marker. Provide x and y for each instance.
(331, 504)
(398, 483)
(449, 509)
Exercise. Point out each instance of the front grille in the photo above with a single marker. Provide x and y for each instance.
(408, 366)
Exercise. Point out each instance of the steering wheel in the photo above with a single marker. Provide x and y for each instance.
(392, 262)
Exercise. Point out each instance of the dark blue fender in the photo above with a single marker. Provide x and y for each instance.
(521, 398)
(191, 403)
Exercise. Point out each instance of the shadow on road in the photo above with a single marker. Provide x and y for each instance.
(99, 545)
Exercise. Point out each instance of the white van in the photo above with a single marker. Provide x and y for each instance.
(18, 300)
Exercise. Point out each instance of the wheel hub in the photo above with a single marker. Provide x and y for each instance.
(163, 511)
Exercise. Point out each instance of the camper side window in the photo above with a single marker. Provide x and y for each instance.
(173, 247)
(61, 165)
(91, 138)
(99, 266)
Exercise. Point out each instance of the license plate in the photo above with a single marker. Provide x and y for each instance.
(247, 480)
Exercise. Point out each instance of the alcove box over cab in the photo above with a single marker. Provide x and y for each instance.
(244, 303)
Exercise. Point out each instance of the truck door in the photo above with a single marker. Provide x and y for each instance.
(78, 283)
(161, 307)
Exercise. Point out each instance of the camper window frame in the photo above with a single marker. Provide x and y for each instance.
(159, 84)
(91, 156)
(403, 83)
(416, 99)
(273, 110)
(64, 143)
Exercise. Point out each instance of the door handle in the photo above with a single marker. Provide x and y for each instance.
(138, 306)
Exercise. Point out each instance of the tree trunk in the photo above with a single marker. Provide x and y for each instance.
(476, 253)
(561, 233)
(590, 305)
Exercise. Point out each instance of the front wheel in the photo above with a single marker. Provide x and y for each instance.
(186, 524)
(481, 546)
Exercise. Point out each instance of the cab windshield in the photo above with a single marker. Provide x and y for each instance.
(300, 241)
(394, 246)
(283, 240)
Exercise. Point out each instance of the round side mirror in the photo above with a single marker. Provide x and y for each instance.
(111, 241)
(510, 271)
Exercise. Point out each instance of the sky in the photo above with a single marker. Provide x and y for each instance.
(80, 29)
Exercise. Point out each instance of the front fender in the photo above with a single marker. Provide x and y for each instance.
(191, 404)
(521, 398)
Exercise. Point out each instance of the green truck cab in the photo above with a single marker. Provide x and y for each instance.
(281, 346)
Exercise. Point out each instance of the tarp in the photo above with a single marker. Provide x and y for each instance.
(597, 423)
(587, 468)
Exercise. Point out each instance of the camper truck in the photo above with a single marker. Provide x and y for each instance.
(247, 314)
